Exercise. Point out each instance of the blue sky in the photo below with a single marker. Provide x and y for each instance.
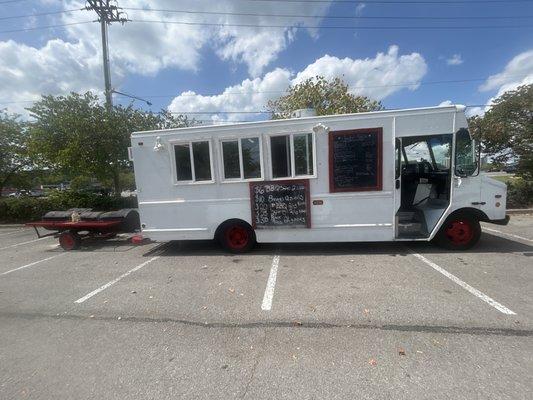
(202, 68)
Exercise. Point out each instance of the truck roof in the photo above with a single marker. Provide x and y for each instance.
(320, 118)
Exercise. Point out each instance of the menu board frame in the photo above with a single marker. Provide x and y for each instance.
(304, 182)
(351, 132)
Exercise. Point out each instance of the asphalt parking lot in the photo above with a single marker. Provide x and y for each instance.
(188, 321)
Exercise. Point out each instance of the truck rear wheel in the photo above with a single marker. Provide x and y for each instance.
(459, 232)
(237, 237)
(69, 240)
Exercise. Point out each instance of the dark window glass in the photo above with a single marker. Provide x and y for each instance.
(250, 158)
(202, 162)
(230, 155)
(281, 160)
(303, 154)
(183, 162)
(398, 150)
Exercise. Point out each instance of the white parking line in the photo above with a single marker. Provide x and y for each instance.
(108, 284)
(11, 232)
(31, 264)
(465, 285)
(20, 244)
(271, 285)
(508, 234)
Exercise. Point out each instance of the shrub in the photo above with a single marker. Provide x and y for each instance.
(24, 209)
(519, 193)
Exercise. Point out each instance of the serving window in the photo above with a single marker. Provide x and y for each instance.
(292, 155)
(193, 162)
(355, 160)
(241, 159)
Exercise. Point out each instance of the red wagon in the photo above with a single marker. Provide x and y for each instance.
(87, 223)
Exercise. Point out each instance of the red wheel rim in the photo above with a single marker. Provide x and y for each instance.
(67, 241)
(460, 232)
(237, 237)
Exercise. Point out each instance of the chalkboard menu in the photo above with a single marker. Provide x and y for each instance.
(280, 204)
(355, 160)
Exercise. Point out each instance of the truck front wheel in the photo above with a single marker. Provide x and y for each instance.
(459, 232)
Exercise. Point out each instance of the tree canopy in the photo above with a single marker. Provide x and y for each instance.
(327, 97)
(506, 129)
(13, 148)
(79, 136)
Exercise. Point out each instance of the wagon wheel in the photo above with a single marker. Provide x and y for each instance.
(69, 240)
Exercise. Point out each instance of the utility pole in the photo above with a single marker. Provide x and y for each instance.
(107, 13)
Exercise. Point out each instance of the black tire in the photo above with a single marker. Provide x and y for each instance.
(69, 240)
(459, 232)
(236, 237)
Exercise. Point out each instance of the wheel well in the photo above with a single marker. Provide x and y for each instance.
(231, 221)
(478, 214)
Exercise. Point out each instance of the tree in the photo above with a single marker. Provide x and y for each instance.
(506, 129)
(325, 96)
(79, 136)
(13, 148)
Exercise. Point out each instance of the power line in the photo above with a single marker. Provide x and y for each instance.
(465, 27)
(286, 91)
(271, 112)
(437, 2)
(46, 27)
(41, 14)
(326, 16)
(351, 87)
(11, 1)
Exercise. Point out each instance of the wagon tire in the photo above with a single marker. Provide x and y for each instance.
(236, 237)
(459, 232)
(69, 240)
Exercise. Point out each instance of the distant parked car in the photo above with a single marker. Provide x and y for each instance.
(511, 168)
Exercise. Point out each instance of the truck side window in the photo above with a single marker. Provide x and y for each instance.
(193, 161)
(251, 158)
(183, 162)
(303, 154)
(202, 161)
(465, 154)
(230, 156)
(281, 157)
(241, 158)
(288, 149)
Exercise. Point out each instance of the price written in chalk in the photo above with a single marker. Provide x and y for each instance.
(280, 204)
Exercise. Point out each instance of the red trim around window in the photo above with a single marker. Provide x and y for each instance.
(351, 132)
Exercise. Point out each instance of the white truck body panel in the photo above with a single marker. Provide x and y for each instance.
(172, 210)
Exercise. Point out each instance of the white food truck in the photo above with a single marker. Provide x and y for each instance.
(399, 175)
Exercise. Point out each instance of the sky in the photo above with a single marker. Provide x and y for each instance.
(222, 61)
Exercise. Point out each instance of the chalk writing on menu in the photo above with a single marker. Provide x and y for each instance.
(355, 160)
(280, 204)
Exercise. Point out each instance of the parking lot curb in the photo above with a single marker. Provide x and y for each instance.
(518, 211)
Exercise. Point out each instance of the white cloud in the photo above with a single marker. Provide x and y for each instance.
(456, 59)
(517, 72)
(58, 67)
(445, 103)
(74, 61)
(147, 47)
(376, 77)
